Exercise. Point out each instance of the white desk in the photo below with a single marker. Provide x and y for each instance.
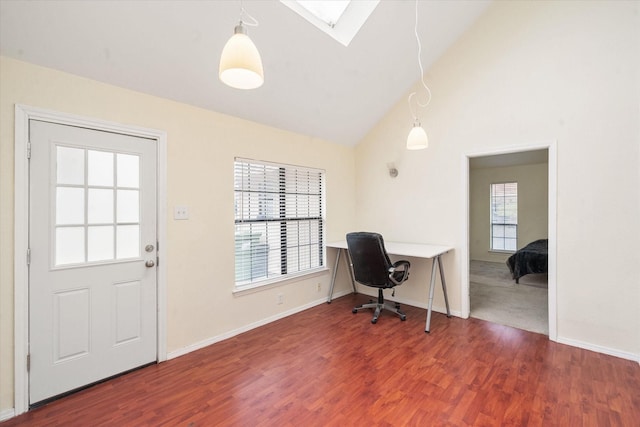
(402, 249)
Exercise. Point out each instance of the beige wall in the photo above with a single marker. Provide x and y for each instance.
(528, 72)
(201, 148)
(533, 207)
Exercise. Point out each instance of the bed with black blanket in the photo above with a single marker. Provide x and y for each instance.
(533, 258)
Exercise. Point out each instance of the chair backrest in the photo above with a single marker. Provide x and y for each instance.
(369, 258)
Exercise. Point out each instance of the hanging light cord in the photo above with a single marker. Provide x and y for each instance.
(415, 30)
(243, 13)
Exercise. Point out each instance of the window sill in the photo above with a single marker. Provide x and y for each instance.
(497, 251)
(278, 281)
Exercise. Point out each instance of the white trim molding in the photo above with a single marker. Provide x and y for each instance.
(23, 114)
(366, 290)
(599, 349)
(6, 414)
(551, 146)
(209, 341)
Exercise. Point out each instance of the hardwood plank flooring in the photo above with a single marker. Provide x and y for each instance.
(329, 367)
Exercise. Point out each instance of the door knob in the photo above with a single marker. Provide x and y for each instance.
(150, 263)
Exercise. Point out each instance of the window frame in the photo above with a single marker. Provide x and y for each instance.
(272, 209)
(504, 224)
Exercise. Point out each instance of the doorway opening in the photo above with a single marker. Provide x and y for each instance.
(500, 223)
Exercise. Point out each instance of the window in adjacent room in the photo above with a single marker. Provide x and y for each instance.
(504, 216)
(279, 221)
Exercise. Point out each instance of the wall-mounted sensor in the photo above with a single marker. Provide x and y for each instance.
(393, 171)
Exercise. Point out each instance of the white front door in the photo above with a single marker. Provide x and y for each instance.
(92, 243)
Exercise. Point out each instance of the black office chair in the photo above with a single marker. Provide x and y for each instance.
(372, 267)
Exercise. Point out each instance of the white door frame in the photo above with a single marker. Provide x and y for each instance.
(23, 114)
(551, 146)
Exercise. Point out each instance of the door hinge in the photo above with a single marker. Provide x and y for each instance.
(28, 150)
(157, 261)
(29, 256)
(28, 362)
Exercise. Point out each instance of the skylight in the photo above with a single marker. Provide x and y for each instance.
(341, 19)
(327, 11)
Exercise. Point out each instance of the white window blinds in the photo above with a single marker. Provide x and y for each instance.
(504, 216)
(279, 220)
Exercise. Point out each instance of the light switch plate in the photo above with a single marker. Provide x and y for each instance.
(181, 212)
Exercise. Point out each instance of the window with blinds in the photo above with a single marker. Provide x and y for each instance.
(504, 216)
(279, 221)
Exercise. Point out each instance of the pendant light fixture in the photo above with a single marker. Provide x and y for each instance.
(240, 62)
(417, 139)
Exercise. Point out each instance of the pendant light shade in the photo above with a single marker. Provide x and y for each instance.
(240, 62)
(417, 139)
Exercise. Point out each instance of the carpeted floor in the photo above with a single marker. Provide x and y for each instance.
(496, 297)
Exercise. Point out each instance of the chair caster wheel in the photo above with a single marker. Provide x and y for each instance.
(354, 311)
(403, 318)
(374, 320)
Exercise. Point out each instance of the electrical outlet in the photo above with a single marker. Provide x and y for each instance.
(318, 287)
(181, 212)
(279, 299)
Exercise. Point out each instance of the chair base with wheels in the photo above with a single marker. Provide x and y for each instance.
(379, 306)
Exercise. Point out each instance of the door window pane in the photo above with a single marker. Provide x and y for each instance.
(100, 243)
(128, 238)
(100, 168)
(128, 174)
(100, 206)
(69, 165)
(69, 245)
(69, 206)
(96, 190)
(128, 206)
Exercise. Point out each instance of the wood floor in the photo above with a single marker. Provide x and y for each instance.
(329, 367)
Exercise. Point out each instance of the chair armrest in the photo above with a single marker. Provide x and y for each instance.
(401, 266)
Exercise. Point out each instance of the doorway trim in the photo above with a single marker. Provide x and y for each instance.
(23, 114)
(551, 146)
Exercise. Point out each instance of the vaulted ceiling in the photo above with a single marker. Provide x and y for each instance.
(313, 85)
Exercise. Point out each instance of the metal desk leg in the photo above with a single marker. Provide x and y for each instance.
(351, 276)
(431, 289)
(444, 286)
(333, 277)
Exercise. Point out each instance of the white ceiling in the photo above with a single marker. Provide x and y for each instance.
(313, 84)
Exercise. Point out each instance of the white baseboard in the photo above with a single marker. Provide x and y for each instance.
(202, 344)
(599, 349)
(435, 308)
(413, 303)
(197, 346)
(5, 414)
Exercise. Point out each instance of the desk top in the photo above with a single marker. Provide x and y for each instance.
(419, 250)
